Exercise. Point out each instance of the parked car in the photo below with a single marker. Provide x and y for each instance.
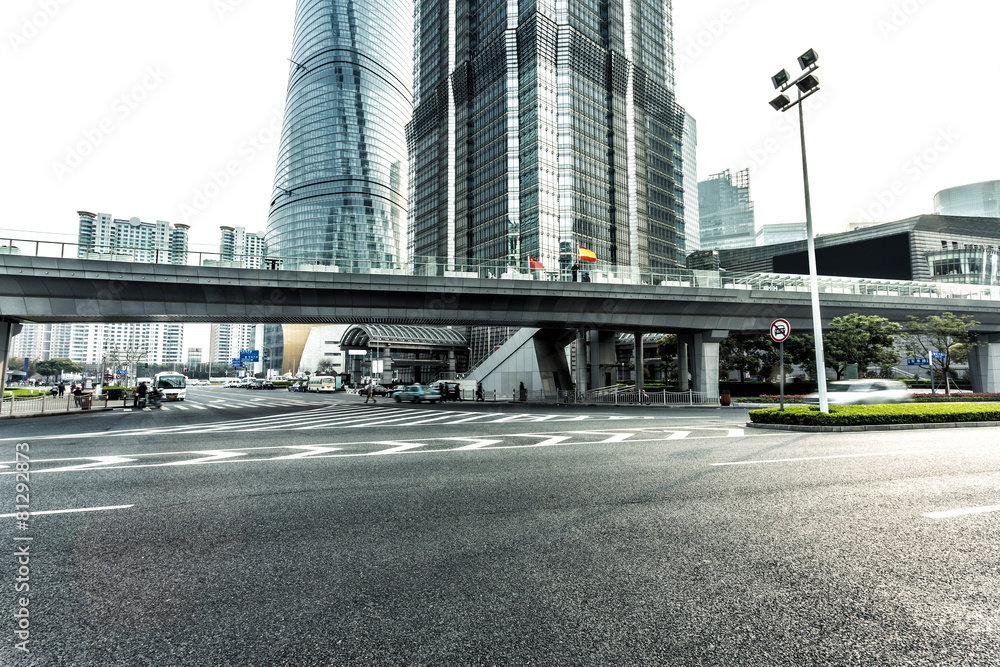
(297, 386)
(417, 394)
(858, 392)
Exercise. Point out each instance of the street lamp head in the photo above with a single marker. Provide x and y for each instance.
(807, 83)
(808, 59)
(780, 102)
(780, 79)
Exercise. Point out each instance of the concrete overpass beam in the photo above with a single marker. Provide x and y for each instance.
(705, 360)
(984, 364)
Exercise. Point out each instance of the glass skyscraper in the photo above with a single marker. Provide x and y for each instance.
(543, 125)
(341, 182)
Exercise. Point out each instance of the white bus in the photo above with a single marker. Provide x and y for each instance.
(320, 383)
(173, 386)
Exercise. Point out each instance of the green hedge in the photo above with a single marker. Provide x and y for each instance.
(865, 415)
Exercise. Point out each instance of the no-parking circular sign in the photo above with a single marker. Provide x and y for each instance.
(780, 330)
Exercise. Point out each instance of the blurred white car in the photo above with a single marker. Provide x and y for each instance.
(861, 392)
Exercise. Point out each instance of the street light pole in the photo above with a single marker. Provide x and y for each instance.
(807, 84)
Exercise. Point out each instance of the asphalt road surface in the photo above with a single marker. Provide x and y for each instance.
(270, 528)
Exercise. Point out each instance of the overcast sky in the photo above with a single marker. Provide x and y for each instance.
(170, 110)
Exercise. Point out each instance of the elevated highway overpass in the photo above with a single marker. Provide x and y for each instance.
(703, 306)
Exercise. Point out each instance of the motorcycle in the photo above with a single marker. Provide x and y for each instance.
(154, 400)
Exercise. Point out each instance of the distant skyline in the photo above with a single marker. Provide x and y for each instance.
(172, 112)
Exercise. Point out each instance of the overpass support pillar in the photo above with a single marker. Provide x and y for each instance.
(984, 363)
(452, 365)
(386, 367)
(603, 366)
(7, 331)
(684, 343)
(581, 361)
(640, 363)
(705, 362)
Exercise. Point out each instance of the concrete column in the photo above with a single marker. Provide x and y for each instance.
(452, 365)
(7, 331)
(984, 363)
(639, 362)
(581, 361)
(705, 360)
(603, 362)
(386, 367)
(684, 342)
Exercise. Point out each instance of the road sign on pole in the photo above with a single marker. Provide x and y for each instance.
(937, 355)
(780, 330)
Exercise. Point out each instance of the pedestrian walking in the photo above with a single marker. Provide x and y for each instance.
(370, 394)
(480, 394)
(62, 388)
(77, 393)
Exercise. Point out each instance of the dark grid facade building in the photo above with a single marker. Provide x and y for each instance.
(340, 186)
(543, 125)
(936, 248)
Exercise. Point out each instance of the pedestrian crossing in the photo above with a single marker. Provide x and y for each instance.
(188, 405)
(361, 416)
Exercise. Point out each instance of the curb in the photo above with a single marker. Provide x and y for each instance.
(870, 427)
(55, 413)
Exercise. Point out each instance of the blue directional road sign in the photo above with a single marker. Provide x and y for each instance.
(937, 355)
(250, 355)
(917, 362)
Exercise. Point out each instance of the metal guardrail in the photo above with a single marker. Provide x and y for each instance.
(14, 405)
(598, 272)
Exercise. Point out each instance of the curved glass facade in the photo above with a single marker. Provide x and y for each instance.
(341, 182)
(976, 200)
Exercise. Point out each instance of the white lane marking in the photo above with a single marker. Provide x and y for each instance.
(211, 455)
(477, 443)
(308, 450)
(553, 440)
(397, 447)
(677, 435)
(96, 461)
(81, 509)
(735, 433)
(612, 437)
(968, 510)
(624, 417)
(838, 456)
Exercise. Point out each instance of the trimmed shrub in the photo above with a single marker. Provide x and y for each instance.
(866, 415)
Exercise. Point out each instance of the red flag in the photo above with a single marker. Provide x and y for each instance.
(535, 264)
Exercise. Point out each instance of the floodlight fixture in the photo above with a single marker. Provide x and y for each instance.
(807, 83)
(780, 102)
(780, 79)
(808, 59)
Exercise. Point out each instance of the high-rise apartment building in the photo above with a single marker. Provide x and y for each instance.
(545, 125)
(725, 211)
(340, 187)
(102, 236)
(245, 250)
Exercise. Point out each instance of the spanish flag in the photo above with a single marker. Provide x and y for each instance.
(535, 264)
(587, 255)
